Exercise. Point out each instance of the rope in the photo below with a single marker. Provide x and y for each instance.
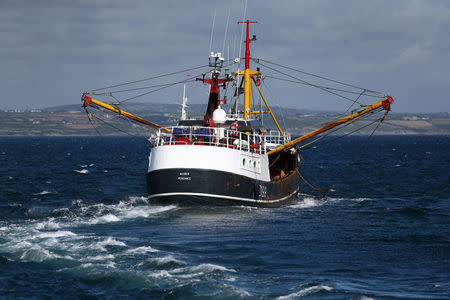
(311, 186)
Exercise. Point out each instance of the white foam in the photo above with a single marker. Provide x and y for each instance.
(10, 177)
(306, 291)
(78, 202)
(190, 276)
(124, 211)
(45, 192)
(211, 268)
(135, 199)
(109, 264)
(105, 219)
(55, 234)
(23, 244)
(36, 253)
(145, 211)
(361, 199)
(142, 250)
(100, 257)
(308, 203)
(88, 265)
(165, 260)
(39, 254)
(109, 241)
(159, 274)
(82, 171)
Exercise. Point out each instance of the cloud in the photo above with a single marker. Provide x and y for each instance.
(374, 43)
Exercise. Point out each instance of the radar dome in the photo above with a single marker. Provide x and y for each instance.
(219, 116)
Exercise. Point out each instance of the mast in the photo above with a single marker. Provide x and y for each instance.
(247, 73)
(215, 61)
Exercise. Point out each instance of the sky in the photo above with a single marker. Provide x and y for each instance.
(52, 51)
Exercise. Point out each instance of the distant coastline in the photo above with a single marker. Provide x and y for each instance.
(71, 120)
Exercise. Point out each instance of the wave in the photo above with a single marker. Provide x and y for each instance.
(83, 252)
(55, 237)
(109, 241)
(142, 250)
(81, 213)
(306, 291)
(82, 171)
(120, 212)
(45, 192)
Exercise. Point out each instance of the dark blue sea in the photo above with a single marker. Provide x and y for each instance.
(75, 223)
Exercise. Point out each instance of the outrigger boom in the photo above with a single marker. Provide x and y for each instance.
(88, 100)
(386, 104)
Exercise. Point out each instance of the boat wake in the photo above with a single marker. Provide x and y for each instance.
(73, 245)
(308, 201)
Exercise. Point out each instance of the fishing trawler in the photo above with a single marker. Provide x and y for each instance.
(227, 158)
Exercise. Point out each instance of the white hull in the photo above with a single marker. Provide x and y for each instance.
(239, 162)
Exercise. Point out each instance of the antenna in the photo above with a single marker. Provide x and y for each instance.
(183, 105)
(226, 30)
(240, 47)
(212, 31)
(242, 33)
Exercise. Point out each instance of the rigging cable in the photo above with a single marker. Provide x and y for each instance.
(125, 164)
(282, 112)
(338, 128)
(325, 87)
(149, 78)
(322, 77)
(192, 79)
(161, 88)
(305, 82)
(341, 175)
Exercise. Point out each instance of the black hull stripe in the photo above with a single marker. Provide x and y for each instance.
(222, 196)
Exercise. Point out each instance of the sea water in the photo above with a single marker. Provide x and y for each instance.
(75, 222)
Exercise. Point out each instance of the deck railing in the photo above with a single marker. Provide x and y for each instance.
(217, 137)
